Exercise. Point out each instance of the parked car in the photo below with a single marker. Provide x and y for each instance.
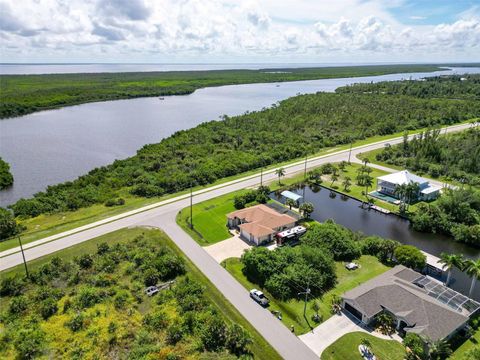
(151, 290)
(259, 297)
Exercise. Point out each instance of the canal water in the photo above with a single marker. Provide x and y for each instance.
(54, 146)
(348, 212)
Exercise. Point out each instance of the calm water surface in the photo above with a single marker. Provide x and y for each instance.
(54, 146)
(347, 212)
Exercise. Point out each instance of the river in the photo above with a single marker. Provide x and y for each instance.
(54, 146)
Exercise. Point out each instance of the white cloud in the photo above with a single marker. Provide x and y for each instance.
(226, 30)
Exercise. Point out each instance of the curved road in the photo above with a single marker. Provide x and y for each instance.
(162, 215)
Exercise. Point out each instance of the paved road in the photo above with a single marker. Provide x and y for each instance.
(163, 214)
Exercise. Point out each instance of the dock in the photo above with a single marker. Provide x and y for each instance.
(380, 209)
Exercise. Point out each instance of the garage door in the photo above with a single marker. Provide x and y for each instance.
(353, 311)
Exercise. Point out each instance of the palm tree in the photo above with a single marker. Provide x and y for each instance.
(367, 344)
(366, 161)
(306, 209)
(439, 349)
(280, 172)
(449, 262)
(401, 193)
(346, 183)
(290, 203)
(367, 182)
(472, 268)
(334, 178)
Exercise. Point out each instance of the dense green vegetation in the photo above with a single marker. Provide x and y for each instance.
(453, 157)
(6, 177)
(91, 304)
(449, 87)
(219, 149)
(24, 94)
(286, 270)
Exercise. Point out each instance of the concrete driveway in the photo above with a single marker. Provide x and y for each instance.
(233, 247)
(334, 328)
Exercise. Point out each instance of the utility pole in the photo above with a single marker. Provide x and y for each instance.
(191, 207)
(305, 170)
(350, 153)
(306, 293)
(261, 176)
(23, 255)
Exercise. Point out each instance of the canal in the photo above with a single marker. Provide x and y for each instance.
(348, 212)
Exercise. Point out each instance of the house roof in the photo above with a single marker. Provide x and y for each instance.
(396, 292)
(431, 189)
(403, 177)
(291, 195)
(260, 220)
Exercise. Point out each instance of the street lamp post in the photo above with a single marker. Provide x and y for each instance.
(23, 255)
(305, 169)
(191, 207)
(350, 153)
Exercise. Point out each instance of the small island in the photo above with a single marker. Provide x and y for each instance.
(6, 177)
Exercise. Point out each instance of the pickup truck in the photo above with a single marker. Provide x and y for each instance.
(259, 297)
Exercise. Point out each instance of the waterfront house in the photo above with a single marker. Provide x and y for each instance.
(418, 304)
(259, 224)
(388, 184)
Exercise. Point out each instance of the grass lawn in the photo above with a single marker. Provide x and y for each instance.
(355, 190)
(459, 353)
(346, 348)
(260, 348)
(292, 310)
(210, 217)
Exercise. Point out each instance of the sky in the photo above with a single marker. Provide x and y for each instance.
(228, 31)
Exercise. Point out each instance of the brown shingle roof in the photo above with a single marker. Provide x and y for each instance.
(260, 220)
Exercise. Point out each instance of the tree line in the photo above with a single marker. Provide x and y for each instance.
(24, 94)
(450, 87)
(455, 156)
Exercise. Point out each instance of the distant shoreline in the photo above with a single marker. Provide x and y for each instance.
(26, 94)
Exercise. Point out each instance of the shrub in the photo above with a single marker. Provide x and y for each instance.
(337, 239)
(17, 305)
(156, 321)
(8, 225)
(48, 307)
(151, 277)
(29, 343)
(76, 323)
(11, 286)
(174, 334)
(238, 340)
(213, 333)
(102, 248)
(410, 256)
(87, 297)
(85, 261)
(115, 202)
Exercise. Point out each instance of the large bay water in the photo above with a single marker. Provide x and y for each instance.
(54, 146)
